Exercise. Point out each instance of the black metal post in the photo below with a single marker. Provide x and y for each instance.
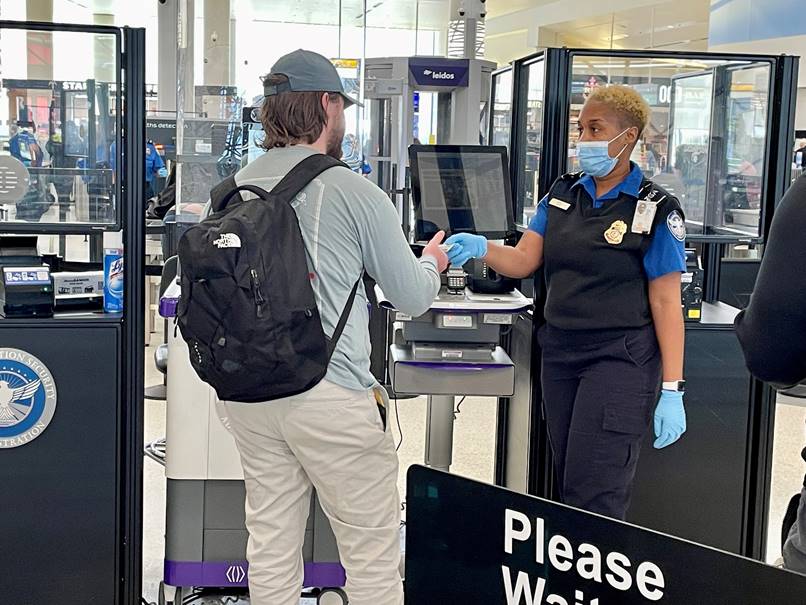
(556, 109)
(133, 179)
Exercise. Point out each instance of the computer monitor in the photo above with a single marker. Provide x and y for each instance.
(253, 135)
(461, 188)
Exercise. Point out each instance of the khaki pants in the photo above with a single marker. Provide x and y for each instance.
(332, 439)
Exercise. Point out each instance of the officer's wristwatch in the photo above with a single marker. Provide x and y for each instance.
(675, 385)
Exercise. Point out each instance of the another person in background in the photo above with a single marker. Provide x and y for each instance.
(24, 146)
(772, 329)
(155, 167)
(352, 156)
(800, 154)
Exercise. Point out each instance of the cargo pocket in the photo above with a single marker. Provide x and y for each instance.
(624, 428)
(628, 420)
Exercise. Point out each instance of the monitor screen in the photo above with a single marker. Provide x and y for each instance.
(252, 136)
(461, 188)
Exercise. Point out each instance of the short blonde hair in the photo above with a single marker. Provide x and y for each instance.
(627, 103)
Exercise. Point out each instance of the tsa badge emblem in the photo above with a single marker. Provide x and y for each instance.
(677, 226)
(27, 398)
(615, 235)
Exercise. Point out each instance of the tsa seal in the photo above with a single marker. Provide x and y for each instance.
(676, 225)
(27, 398)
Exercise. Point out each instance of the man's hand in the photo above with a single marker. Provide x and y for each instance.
(433, 250)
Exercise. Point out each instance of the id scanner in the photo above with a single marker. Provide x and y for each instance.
(26, 285)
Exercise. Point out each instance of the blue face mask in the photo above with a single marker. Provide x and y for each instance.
(594, 156)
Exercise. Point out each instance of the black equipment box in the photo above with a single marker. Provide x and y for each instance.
(26, 292)
(692, 287)
(26, 286)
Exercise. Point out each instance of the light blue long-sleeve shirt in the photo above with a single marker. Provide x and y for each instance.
(348, 224)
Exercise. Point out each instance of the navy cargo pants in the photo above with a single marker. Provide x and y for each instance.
(599, 394)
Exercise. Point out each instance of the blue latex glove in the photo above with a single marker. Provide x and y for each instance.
(163, 172)
(465, 246)
(670, 419)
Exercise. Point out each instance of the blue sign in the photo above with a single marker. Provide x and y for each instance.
(734, 21)
(448, 73)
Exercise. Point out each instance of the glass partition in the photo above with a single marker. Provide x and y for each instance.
(739, 168)
(59, 157)
(691, 109)
(501, 123)
(707, 139)
(531, 142)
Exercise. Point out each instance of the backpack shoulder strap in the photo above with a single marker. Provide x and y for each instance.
(222, 193)
(345, 314)
(302, 174)
(287, 189)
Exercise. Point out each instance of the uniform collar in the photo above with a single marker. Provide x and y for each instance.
(630, 185)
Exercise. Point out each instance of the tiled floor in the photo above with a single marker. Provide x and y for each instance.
(788, 468)
(474, 444)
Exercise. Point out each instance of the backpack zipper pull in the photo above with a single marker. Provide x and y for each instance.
(259, 300)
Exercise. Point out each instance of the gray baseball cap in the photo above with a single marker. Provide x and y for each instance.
(307, 72)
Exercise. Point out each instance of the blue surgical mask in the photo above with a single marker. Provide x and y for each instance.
(594, 156)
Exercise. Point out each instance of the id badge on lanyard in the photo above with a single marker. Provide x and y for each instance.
(645, 211)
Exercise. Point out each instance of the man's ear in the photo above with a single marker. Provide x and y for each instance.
(633, 135)
(324, 100)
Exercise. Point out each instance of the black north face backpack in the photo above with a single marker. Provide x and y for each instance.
(247, 309)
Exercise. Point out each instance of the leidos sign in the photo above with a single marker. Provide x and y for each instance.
(439, 72)
(439, 75)
(473, 544)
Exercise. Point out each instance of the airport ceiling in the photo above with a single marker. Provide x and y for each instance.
(380, 13)
(674, 24)
(681, 25)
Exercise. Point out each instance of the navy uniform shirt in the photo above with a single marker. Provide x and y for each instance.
(666, 254)
(154, 160)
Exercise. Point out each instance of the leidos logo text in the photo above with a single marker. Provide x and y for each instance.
(439, 75)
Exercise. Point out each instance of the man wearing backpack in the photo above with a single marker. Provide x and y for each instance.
(332, 437)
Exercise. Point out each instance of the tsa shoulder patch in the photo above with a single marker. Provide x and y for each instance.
(676, 225)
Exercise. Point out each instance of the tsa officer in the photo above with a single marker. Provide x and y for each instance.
(155, 167)
(612, 244)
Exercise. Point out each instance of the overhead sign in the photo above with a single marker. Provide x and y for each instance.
(436, 72)
(27, 398)
(346, 63)
(474, 544)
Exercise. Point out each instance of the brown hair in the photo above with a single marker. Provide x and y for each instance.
(290, 118)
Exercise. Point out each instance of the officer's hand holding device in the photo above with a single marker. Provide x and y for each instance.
(465, 246)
